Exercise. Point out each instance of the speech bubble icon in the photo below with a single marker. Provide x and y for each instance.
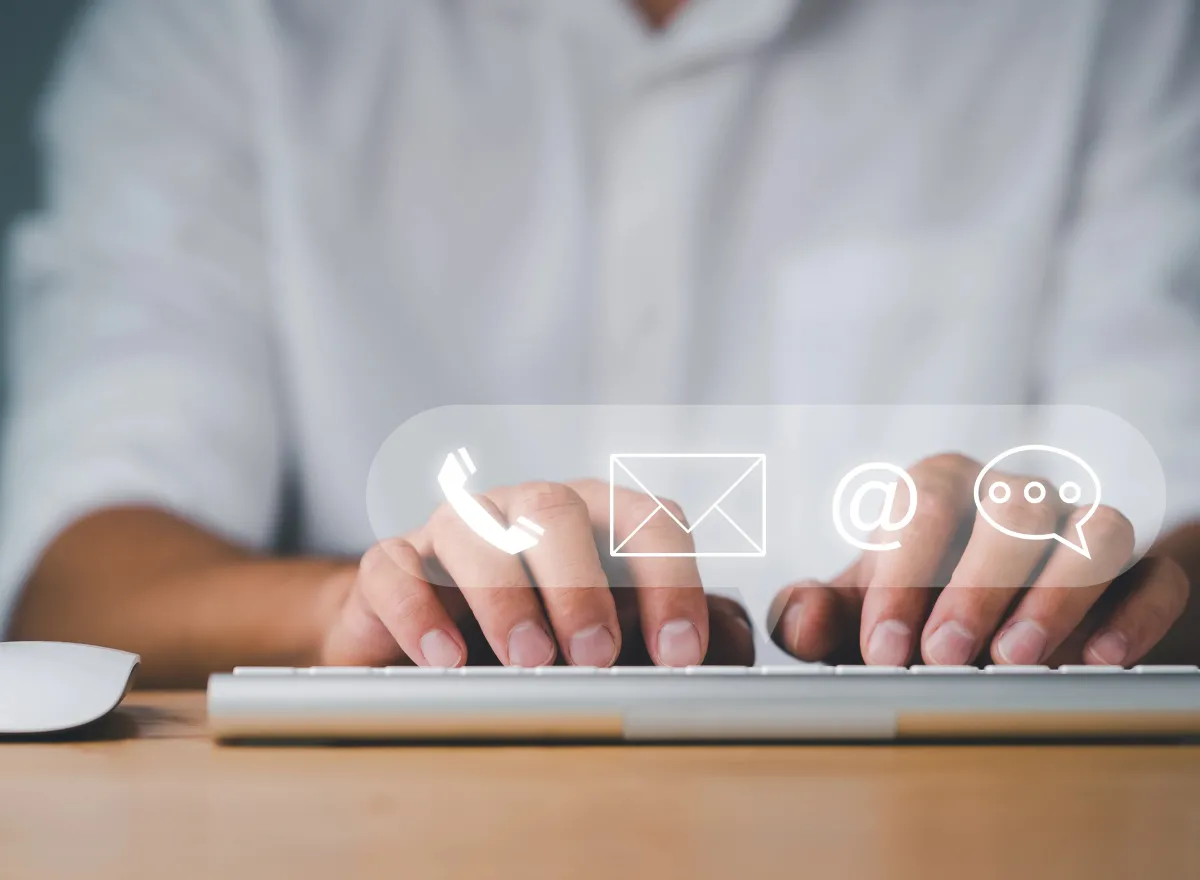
(1069, 492)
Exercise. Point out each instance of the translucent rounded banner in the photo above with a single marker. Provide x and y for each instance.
(757, 497)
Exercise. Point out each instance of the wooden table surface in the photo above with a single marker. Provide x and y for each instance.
(148, 795)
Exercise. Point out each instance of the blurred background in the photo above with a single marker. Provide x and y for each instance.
(29, 43)
(435, 214)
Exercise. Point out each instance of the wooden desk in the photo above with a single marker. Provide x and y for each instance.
(157, 799)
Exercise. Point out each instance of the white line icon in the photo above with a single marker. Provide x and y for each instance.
(517, 538)
(884, 520)
(1070, 492)
(752, 540)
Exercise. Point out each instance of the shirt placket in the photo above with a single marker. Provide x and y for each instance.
(642, 260)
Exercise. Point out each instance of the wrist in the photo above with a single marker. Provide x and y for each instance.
(328, 601)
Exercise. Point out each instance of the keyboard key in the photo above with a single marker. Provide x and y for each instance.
(1166, 670)
(569, 671)
(797, 669)
(870, 670)
(944, 670)
(336, 670)
(1014, 669)
(1085, 669)
(488, 671)
(263, 670)
(716, 670)
(416, 670)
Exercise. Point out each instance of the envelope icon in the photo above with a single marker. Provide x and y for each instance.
(725, 507)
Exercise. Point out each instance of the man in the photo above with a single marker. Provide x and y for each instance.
(277, 229)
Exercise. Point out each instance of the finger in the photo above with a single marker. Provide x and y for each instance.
(1065, 589)
(900, 581)
(731, 638)
(1155, 601)
(391, 596)
(566, 569)
(496, 588)
(991, 573)
(479, 652)
(671, 603)
(809, 621)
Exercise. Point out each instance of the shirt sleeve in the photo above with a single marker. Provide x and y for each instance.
(141, 360)
(1124, 334)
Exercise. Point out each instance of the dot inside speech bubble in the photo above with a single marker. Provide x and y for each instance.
(1035, 492)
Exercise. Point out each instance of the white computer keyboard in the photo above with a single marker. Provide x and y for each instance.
(669, 672)
(784, 702)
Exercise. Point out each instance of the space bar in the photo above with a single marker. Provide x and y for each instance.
(773, 722)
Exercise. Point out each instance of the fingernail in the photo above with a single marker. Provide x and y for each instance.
(594, 646)
(789, 625)
(890, 644)
(1110, 648)
(950, 645)
(679, 644)
(528, 645)
(1023, 643)
(439, 649)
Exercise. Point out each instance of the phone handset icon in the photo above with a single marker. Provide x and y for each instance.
(512, 540)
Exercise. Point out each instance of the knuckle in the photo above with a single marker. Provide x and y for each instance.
(577, 579)
(655, 521)
(548, 498)
(371, 561)
(938, 504)
(635, 506)
(1021, 512)
(639, 507)
(375, 559)
(1106, 523)
(442, 517)
(403, 607)
(675, 509)
(949, 462)
(386, 556)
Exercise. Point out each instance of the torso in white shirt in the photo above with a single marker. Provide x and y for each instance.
(539, 201)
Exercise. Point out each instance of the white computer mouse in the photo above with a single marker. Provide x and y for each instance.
(51, 686)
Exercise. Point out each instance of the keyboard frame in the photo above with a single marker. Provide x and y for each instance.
(708, 703)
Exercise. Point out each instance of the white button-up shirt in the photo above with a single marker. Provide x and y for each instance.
(275, 230)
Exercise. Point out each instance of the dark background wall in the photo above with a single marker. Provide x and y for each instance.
(31, 34)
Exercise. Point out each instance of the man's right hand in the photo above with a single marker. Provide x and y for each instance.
(441, 596)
